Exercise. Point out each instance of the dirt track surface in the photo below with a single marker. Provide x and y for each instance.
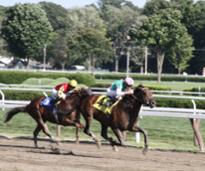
(20, 155)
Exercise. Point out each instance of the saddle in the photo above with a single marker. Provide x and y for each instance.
(104, 104)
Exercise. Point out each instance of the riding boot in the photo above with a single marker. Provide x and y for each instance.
(110, 101)
(56, 100)
(55, 115)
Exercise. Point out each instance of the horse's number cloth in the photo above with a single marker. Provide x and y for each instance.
(48, 103)
(101, 104)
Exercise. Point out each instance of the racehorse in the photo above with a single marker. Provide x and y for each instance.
(123, 116)
(67, 116)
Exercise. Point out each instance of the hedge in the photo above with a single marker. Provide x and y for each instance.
(17, 77)
(202, 89)
(21, 95)
(179, 103)
(165, 77)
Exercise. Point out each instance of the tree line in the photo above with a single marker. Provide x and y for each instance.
(101, 35)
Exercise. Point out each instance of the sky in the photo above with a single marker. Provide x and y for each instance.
(64, 3)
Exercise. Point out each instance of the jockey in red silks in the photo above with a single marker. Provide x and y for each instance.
(59, 92)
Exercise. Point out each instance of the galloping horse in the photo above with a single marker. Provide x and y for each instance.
(67, 116)
(123, 116)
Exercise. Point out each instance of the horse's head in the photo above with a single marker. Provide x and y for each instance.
(144, 95)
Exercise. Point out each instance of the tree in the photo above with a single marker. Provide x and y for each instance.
(193, 17)
(181, 52)
(26, 30)
(119, 17)
(57, 49)
(197, 30)
(57, 15)
(155, 6)
(3, 45)
(85, 17)
(162, 32)
(186, 7)
(87, 37)
(89, 45)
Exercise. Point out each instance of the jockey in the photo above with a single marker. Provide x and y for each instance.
(60, 90)
(120, 87)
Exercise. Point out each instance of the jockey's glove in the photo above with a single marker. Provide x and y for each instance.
(61, 95)
(131, 91)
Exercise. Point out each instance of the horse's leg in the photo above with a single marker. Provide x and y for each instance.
(87, 131)
(104, 134)
(77, 128)
(35, 135)
(77, 135)
(119, 135)
(141, 130)
(77, 124)
(44, 128)
(69, 122)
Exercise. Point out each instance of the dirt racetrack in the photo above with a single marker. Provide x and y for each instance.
(20, 155)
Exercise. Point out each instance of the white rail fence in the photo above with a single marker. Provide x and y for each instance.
(193, 113)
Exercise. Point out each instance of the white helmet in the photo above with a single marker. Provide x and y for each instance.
(129, 81)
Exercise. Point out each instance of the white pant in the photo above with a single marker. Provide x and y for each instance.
(54, 93)
(111, 93)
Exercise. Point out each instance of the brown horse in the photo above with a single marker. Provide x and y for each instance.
(67, 116)
(123, 116)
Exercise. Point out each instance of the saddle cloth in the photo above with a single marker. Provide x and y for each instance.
(104, 104)
(48, 103)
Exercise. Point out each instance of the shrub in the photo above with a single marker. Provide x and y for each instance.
(17, 77)
(179, 103)
(21, 95)
(165, 77)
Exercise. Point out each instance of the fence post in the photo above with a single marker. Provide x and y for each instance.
(198, 140)
(137, 134)
(3, 100)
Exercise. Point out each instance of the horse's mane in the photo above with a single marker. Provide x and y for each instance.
(83, 92)
(129, 99)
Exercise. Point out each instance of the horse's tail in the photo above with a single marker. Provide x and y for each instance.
(13, 112)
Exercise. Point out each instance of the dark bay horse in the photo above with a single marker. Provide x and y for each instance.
(67, 116)
(123, 116)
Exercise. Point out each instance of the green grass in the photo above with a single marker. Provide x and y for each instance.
(173, 85)
(164, 133)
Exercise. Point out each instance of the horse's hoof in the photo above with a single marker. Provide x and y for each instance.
(58, 141)
(115, 149)
(144, 151)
